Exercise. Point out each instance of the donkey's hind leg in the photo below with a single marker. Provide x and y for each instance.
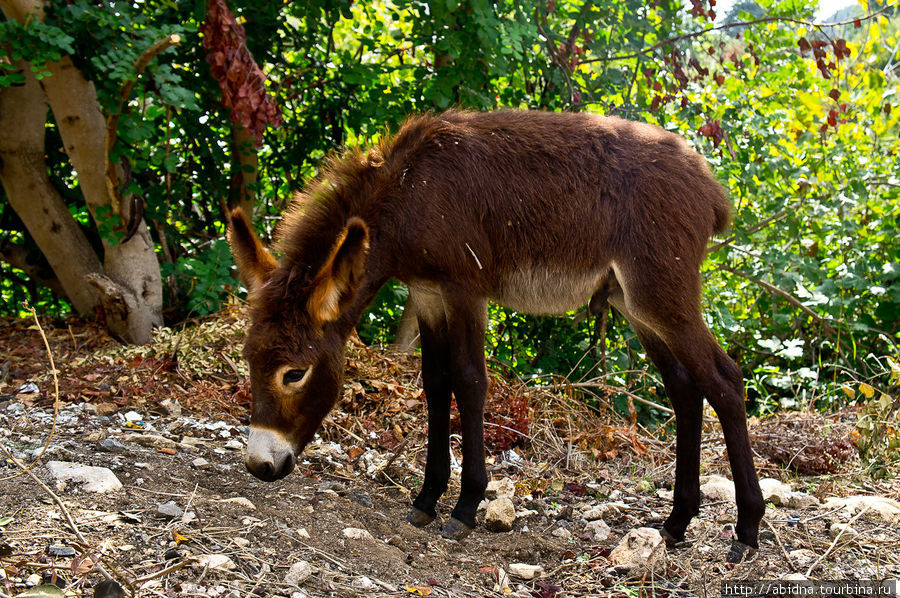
(667, 301)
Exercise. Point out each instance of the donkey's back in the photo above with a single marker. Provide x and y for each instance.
(535, 209)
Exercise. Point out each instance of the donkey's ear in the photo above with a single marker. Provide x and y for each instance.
(253, 262)
(335, 286)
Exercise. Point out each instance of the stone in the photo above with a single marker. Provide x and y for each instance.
(234, 445)
(498, 488)
(594, 513)
(215, 562)
(802, 557)
(241, 542)
(301, 531)
(108, 589)
(843, 530)
(169, 510)
(500, 515)
(802, 500)
(240, 501)
(170, 407)
(718, 488)
(200, 463)
(355, 533)
(597, 530)
(61, 550)
(562, 532)
(298, 573)
(42, 591)
(95, 479)
(363, 583)
(133, 417)
(794, 577)
(526, 572)
(111, 445)
(641, 550)
(361, 498)
(886, 509)
(774, 491)
(152, 441)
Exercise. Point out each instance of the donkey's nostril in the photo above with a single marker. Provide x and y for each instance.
(275, 468)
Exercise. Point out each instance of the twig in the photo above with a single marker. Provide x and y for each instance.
(55, 398)
(834, 543)
(165, 571)
(112, 123)
(787, 556)
(624, 392)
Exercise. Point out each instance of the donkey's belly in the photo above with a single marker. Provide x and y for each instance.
(544, 291)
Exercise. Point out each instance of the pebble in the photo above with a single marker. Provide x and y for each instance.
(640, 550)
(61, 550)
(133, 416)
(718, 488)
(298, 573)
(241, 501)
(363, 583)
(200, 463)
(112, 445)
(361, 498)
(498, 488)
(526, 572)
(152, 441)
(301, 531)
(597, 530)
(562, 532)
(241, 542)
(355, 533)
(234, 444)
(802, 557)
(879, 507)
(95, 479)
(214, 562)
(169, 510)
(500, 515)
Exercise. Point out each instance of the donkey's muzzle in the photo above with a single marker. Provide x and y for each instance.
(270, 456)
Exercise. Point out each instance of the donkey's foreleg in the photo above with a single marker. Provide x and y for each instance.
(437, 386)
(466, 320)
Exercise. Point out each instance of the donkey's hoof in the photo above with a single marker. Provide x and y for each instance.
(418, 517)
(456, 530)
(671, 541)
(740, 552)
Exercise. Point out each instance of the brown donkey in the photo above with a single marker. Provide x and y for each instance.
(536, 211)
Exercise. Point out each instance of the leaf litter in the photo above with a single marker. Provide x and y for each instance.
(237, 536)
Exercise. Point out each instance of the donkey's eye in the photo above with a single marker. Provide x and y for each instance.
(292, 376)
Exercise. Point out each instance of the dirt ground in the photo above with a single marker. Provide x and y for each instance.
(188, 520)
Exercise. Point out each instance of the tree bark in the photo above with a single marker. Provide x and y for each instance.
(23, 173)
(130, 286)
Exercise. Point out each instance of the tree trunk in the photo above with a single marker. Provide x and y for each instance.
(23, 173)
(131, 288)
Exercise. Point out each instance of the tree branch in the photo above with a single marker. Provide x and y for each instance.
(112, 123)
(702, 32)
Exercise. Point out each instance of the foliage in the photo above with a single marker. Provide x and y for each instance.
(799, 122)
(877, 431)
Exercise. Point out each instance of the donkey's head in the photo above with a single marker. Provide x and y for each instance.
(295, 342)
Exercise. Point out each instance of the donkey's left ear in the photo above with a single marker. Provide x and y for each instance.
(336, 284)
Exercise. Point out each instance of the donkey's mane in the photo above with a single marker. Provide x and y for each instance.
(348, 185)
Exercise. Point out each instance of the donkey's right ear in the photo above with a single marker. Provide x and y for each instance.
(253, 262)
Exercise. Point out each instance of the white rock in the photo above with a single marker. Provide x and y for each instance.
(95, 479)
(593, 513)
(802, 500)
(215, 562)
(241, 542)
(523, 571)
(301, 531)
(774, 491)
(794, 577)
(355, 533)
(883, 508)
(562, 532)
(363, 583)
(666, 494)
(499, 488)
(133, 416)
(200, 463)
(642, 549)
(500, 515)
(241, 501)
(298, 573)
(234, 444)
(597, 530)
(718, 488)
(802, 557)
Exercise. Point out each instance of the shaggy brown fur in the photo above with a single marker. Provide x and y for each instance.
(537, 211)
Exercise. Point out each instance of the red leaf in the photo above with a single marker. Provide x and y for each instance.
(804, 46)
(835, 94)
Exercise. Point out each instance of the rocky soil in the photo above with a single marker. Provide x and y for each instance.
(151, 494)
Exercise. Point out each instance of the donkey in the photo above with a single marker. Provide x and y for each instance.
(538, 211)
